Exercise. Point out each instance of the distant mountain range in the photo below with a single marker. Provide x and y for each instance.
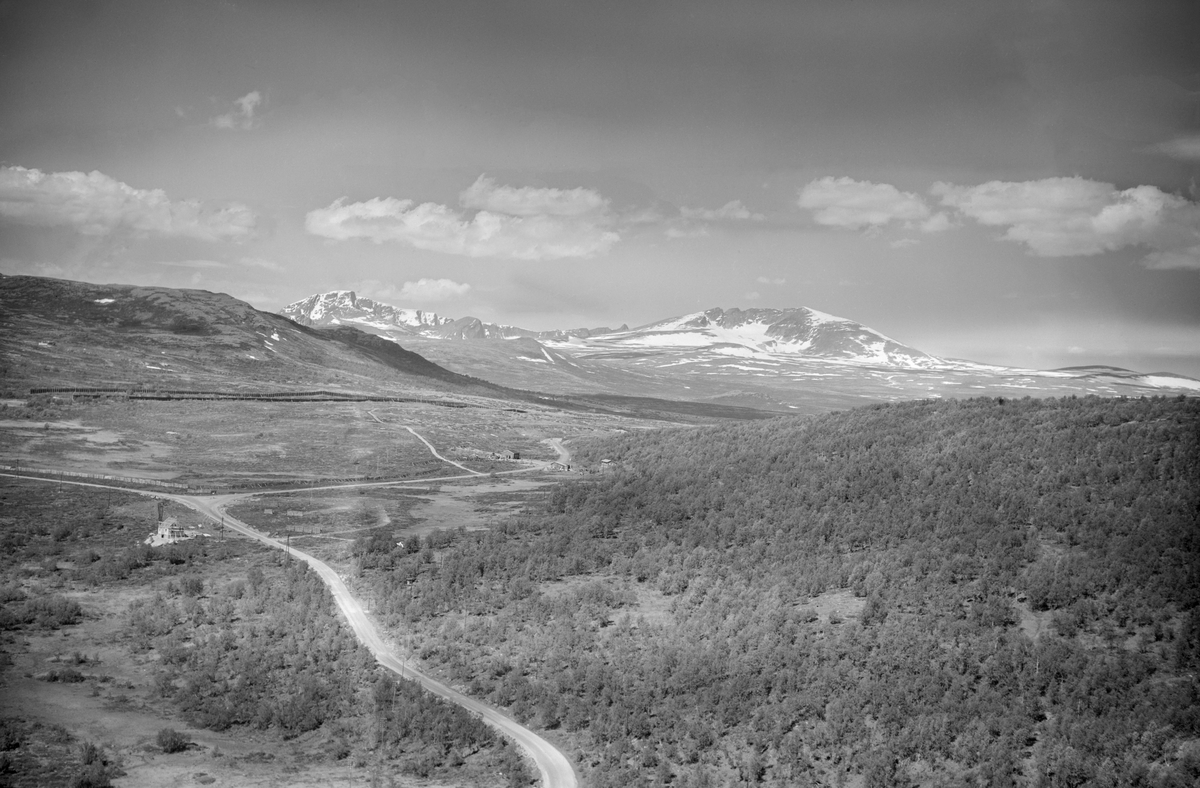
(733, 332)
(786, 360)
(722, 363)
(60, 334)
(344, 307)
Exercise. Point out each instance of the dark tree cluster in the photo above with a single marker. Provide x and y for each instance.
(270, 652)
(1027, 576)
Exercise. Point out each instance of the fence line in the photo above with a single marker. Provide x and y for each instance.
(97, 476)
(280, 396)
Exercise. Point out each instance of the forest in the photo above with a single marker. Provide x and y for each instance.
(236, 637)
(980, 592)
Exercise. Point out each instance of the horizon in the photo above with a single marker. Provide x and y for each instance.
(1005, 183)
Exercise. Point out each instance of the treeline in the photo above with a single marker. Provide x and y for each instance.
(269, 652)
(1027, 576)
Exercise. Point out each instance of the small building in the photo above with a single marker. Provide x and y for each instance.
(169, 532)
(508, 454)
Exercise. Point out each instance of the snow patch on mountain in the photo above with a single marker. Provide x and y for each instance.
(1170, 382)
(341, 307)
(773, 333)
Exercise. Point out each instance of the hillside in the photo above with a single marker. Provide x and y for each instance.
(983, 592)
(64, 333)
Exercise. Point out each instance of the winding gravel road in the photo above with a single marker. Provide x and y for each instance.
(555, 769)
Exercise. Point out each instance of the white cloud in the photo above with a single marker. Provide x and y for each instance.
(259, 262)
(1185, 148)
(95, 204)
(1177, 258)
(753, 295)
(733, 210)
(903, 242)
(860, 205)
(766, 280)
(526, 224)
(937, 223)
(1060, 217)
(425, 290)
(485, 195)
(243, 116)
(686, 231)
(192, 264)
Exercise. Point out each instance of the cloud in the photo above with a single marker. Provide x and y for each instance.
(422, 291)
(1062, 217)
(766, 280)
(485, 195)
(1185, 148)
(903, 242)
(191, 264)
(95, 204)
(243, 116)
(686, 231)
(1178, 258)
(525, 224)
(730, 211)
(937, 223)
(861, 205)
(425, 290)
(258, 262)
(753, 295)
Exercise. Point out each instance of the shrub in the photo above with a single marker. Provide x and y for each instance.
(93, 776)
(171, 740)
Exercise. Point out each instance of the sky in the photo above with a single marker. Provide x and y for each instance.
(1007, 182)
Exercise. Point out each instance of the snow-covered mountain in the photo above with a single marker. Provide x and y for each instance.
(343, 307)
(769, 332)
(788, 360)
(798, 332)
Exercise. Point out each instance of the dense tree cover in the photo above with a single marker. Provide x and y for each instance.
(270, 652)
(265, 650)
(1029, 573)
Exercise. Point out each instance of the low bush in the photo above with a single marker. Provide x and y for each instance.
(171, 740)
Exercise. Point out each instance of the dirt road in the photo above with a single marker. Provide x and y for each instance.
(555, 769)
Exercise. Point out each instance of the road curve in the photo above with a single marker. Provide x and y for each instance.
(555, 769)
(434, 452)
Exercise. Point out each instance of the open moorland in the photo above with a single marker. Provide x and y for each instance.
(220, 444)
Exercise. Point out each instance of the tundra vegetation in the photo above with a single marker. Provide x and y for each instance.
(1025, 577)
(232, 638)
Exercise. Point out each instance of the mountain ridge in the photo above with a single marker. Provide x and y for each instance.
(337, 307)
(724, 363)
(798, 360)
(798, 330)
